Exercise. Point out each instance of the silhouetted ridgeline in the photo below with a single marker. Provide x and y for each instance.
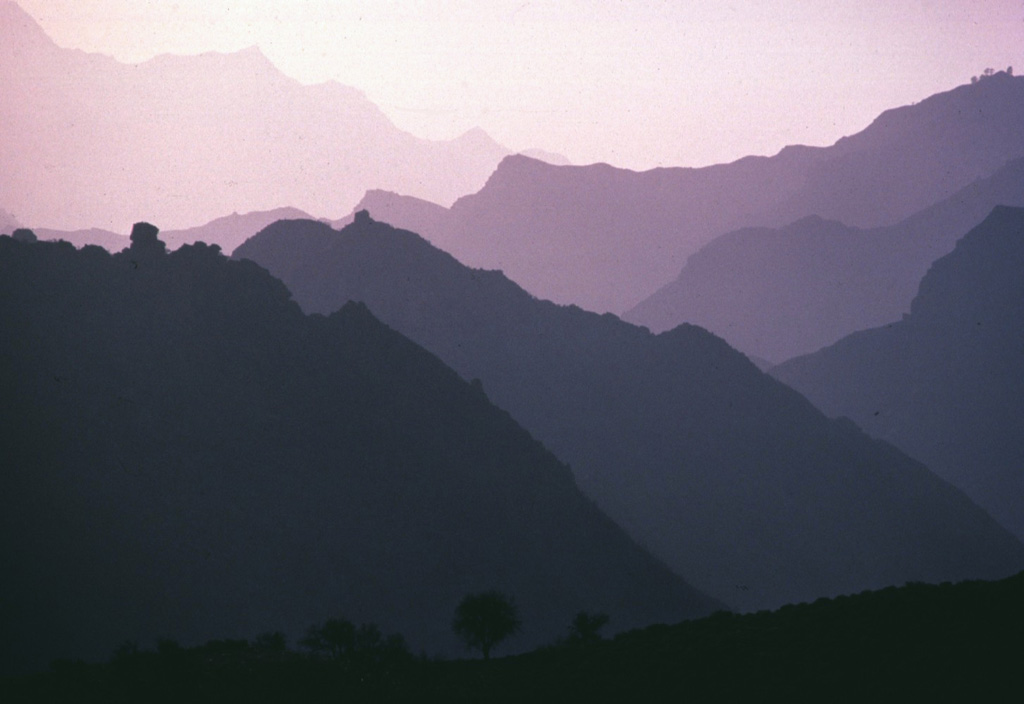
(732, 478)
(946, 383)
(200, 136)
(775, 294)
(916, 643)
(226, 232)
(186, 455)
(607, 238)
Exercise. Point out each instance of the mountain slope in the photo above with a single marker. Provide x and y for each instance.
(182, 140)
(779, 293)
(606, 238)
(185, 455)
(946, 383)
(730, 477)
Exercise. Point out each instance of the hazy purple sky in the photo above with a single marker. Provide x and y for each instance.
(635, 84)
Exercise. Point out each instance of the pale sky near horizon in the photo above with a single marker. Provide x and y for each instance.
(635, 84)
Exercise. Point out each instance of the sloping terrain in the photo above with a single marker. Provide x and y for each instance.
(946, 383)
(605, 238)
(730, 477)
(777, 293)
(186, 455)
(186, 139)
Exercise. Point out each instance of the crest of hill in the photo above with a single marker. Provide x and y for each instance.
(195, 137)
(226, 232)
(188, 456)
(606, 238)
(945, 382)
(778, 293)
(731, 478)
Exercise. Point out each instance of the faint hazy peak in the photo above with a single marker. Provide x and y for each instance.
(477, 137)
(19, 30)
(185, 138)
(546, 156)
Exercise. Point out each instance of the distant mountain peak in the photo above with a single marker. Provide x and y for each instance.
(18, 28)
(11, 11)
(475, 135)
(515, 169)
(249, 60)
(552, 158)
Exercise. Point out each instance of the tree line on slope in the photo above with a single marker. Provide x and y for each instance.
(919, 641)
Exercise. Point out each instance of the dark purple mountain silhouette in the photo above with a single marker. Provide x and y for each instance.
(946, 383)
(186, 455)
(606, 238)
(730, 477)
(182, 140)
(775, 294)
(227, 232)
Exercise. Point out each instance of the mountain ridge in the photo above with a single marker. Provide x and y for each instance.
(217, 464)
(778, 293)
(227, 232)
(727, 475)
(606, 238)
(943, 383)
(74, 120)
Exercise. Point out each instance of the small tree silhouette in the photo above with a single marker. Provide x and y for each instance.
(586, 627)
(341, 640)
(334, 639)
(145, 241)
(484, 620)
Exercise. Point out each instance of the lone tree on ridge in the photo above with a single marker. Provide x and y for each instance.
(484, 620)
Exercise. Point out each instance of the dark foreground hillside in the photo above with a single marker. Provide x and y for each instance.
(185, 455)
(916, 643)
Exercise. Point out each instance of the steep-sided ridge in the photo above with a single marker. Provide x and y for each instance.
(733, 479)
(945, 382)
(186, 455)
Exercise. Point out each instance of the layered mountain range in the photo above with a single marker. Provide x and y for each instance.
(945, 383)
(730, 477)
(606, 238)
(183, 140)
(187, 456)
(191, 449)
(777, 293)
